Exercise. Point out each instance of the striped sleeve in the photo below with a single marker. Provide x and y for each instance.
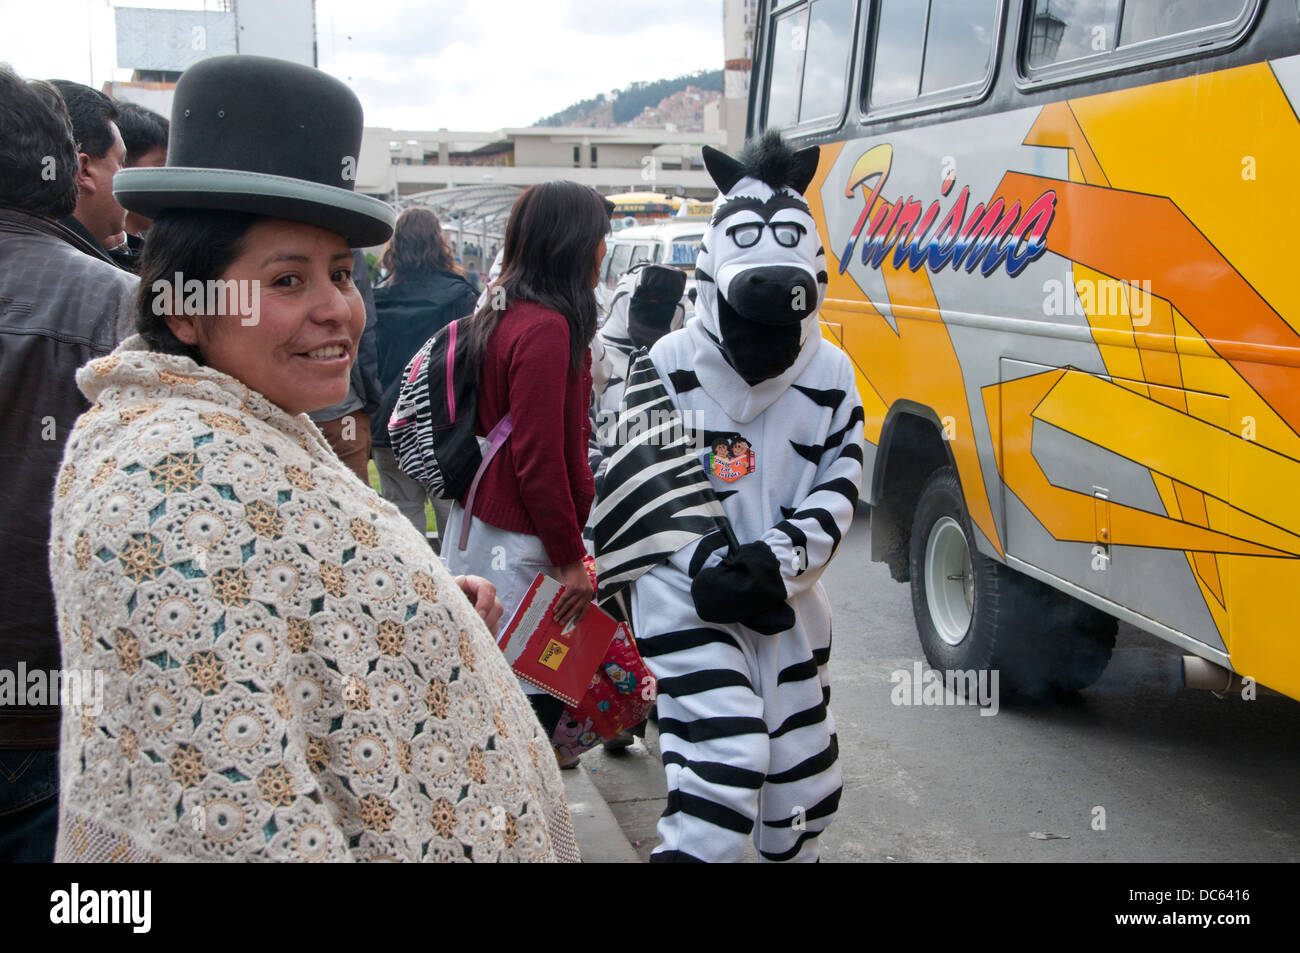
(806, 539)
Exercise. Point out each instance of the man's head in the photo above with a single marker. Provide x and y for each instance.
(38, 160)
(144, 133)
(101, 154)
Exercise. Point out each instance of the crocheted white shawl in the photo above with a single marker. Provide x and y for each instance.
(288, 672)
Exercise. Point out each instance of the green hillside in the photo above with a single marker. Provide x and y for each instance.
(632, 100)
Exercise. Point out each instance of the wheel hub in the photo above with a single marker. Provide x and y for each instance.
(949, 580)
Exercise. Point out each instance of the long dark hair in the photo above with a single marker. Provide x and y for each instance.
(197, 243)
(419, 248)
(550, 249)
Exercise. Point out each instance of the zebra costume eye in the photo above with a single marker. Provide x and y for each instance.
(787, 233)
(746, 235)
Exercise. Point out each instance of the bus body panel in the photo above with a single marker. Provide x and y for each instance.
(1095, 299)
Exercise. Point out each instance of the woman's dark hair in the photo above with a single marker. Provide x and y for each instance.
(419, 248)
(38, 159)
(550, 252)
(194, 244)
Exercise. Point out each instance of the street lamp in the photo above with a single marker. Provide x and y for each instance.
(1045, 34)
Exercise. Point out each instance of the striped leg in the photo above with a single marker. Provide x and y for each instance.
(711, 728)
(797, 804)
(803, 785)
(714, 743)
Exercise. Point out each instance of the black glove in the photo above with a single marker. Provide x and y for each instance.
(654, 304)
(746, 587)
(772, 621)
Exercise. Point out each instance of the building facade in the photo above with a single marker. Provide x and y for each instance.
(157, 45)
(397, 162)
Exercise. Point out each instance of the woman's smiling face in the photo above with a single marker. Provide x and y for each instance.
(297, 348)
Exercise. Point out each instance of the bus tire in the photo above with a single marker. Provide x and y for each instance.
(974, 613)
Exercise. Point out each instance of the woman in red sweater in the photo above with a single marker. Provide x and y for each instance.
(530, 340)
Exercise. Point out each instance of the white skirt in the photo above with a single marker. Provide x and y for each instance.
(510, 561)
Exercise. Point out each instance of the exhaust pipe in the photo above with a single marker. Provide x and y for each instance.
(1204, 674)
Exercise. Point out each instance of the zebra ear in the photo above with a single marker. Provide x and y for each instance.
(724, 170)
(805, 168)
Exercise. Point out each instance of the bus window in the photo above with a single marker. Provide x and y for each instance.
(685, 250)
(959, 44)
(1085, 28)
(619, 262)
(787, 68)
(1149, 20)
(1091, 28)
(639, 254)
(830, 39)
(900, 41)
(810, 59)
(927, 49)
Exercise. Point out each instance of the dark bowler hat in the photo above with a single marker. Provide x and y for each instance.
(261, 135)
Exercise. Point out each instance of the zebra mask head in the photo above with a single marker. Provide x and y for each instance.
(761, 271)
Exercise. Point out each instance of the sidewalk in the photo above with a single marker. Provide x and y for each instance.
(600, 839)
(632, 792)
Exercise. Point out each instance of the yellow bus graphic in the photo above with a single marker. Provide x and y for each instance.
(1095, 302)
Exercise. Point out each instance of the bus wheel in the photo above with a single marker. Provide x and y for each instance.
(974, 613)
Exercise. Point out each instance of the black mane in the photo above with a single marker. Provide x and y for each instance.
(770, 160)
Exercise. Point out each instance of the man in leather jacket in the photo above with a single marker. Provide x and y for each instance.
(60, 306)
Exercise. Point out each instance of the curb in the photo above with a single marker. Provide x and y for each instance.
(600, 839)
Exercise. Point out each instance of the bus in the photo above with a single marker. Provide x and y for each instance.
(1060, 252)
(645, 207)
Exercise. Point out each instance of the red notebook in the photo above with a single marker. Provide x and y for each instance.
(559, 662)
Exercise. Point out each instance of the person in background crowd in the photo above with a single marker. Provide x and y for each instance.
(62, 308)
(646, 306)
(493, 273)
(98, 218)
(144, 134)
(293, 675)
(530, 344)
(425, 291)
(346, 425)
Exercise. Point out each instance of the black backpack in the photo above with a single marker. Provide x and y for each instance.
(432, 424)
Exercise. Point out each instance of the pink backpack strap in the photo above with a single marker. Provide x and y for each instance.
(451, 370)
(495, 439)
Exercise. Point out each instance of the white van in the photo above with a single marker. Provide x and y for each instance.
(675, 243)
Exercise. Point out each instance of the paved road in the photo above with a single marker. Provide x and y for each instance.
(1181, 775)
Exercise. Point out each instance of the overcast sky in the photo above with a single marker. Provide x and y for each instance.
(423, 64)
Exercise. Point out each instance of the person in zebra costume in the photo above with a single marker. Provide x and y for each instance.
(739, 635)
(647, 304)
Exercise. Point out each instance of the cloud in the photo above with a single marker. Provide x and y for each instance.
(606, 18)
(398, 28)
(503, 63)
(422, 64)
(57, 38)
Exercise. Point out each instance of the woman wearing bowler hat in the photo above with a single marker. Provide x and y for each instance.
(288, 672)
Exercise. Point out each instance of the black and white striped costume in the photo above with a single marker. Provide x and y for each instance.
(748, 742)
(611, 349)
